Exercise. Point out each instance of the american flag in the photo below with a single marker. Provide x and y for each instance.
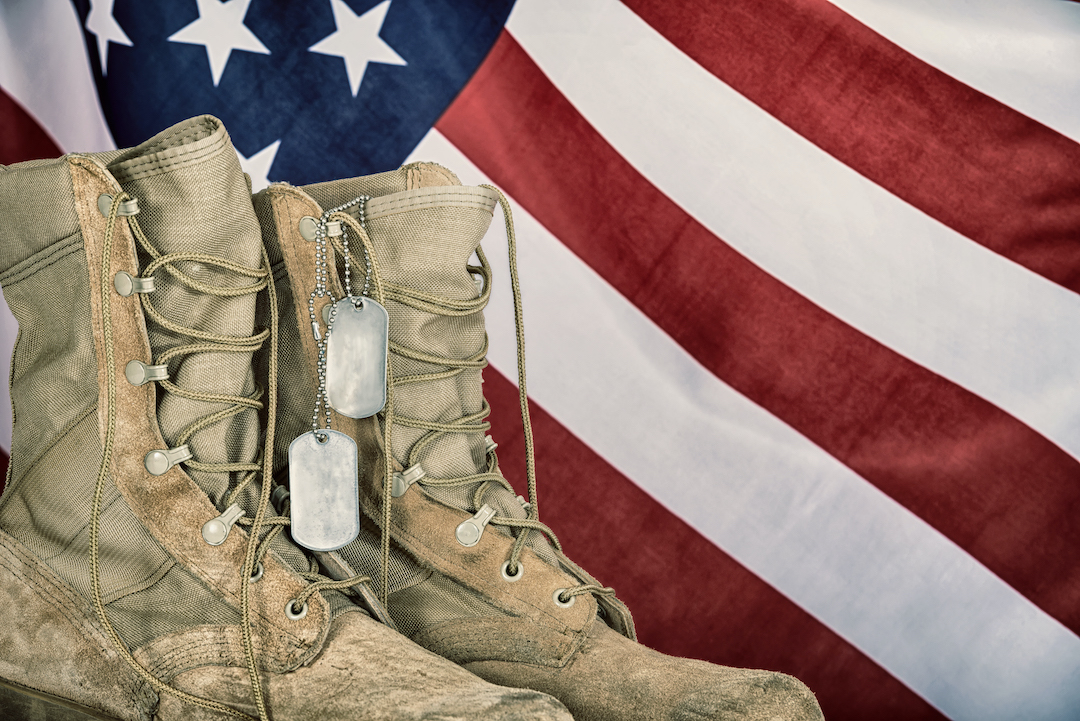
(800, 279)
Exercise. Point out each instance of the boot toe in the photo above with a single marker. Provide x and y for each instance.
(611, 678)
(523, 705)
(757, 696)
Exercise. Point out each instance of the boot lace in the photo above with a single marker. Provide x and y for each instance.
(262, 529)
(468, 424)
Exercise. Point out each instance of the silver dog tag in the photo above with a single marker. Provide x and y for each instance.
(323, 490)
(356, 357)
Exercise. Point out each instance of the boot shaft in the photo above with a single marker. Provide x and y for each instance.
(424, 228)
(158, 574)
(424, 237)
(193, 199)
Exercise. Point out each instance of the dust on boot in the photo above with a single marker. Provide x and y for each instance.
(467, 568)
(144, 571)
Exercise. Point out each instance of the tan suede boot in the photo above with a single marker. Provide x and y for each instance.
(471, 573)
(142, 572)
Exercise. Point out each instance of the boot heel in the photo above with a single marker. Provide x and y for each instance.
(22, 704)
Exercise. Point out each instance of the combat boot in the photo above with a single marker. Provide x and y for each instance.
(143, 571)
(466, 566)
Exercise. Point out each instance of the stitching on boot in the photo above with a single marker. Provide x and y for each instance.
(170, 664)
(42, 259)
(457, 197)
(166, 565)
(56, 594)
(194, 129)
(59, 436)
(183, 154)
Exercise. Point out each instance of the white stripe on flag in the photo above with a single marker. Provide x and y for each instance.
(840, 240)
(865, 566)
(1023, 53)
(43, 65)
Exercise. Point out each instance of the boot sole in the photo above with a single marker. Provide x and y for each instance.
(18, 703)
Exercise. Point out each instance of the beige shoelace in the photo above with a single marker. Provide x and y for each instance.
(261, 529)
(473, 423)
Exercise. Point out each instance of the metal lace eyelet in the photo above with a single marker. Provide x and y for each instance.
(557, 598)
(279, 497)
(512, 578)
(292, 613)
(257, 576)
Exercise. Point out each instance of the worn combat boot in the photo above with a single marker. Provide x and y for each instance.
(143, 574)
(471, 572)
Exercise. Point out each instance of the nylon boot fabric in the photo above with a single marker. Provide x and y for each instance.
(164, 606)
(550, 626)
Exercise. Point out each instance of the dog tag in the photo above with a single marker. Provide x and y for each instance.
(356, 357)
(323, 490)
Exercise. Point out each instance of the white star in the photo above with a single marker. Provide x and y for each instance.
(258, 165)
(221, 29)
(102, 24)
(357, 41)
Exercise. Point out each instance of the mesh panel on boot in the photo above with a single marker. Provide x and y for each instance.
(435, 600)
(49, 512)
(30, 224)
(53, 370)
(56, 450)
(176, 601)
(365, 553)
(418, 597)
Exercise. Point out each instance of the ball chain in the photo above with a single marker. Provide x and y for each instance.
(322, 282)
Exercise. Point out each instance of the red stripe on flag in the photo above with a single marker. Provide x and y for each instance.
(987, 481)
(978, 166)
(689, 598)
(21, 138)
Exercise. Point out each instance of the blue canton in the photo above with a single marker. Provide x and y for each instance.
(312, 89)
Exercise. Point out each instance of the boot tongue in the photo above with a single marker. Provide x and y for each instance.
(429, 250)
(193, 198)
